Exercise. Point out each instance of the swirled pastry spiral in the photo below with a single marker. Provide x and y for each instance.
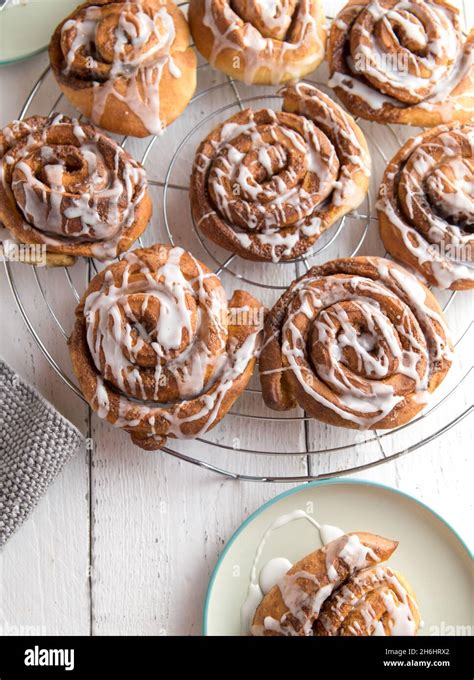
(125, 65)
(341, 589)
(402, 61)
(65, 185)
(157, 348)
(426, 205)
(357, 342)
(260, 42)
(267, 184)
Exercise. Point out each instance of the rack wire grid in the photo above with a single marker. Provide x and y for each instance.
(47, 297)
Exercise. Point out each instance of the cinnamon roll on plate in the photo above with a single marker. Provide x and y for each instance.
(342, 589)
(299, 566)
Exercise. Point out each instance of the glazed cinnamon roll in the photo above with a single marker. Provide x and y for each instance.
(426, 205)
(125, 65)
(259, 42)
(341, 589)
(66, 186)
(357, 342)
(158, 350)
(267, 184)
(402, 61)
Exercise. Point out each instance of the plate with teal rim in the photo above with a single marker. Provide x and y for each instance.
(26, 26)
(431, 555)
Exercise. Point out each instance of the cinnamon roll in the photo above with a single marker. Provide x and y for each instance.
(426, 205)
(341, 589)
(267, 184)
(68, 187)
(402, 61)
(125, 65)
(357, 342)
(158, 350)
(259, 42)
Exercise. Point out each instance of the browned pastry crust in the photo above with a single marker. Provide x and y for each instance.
(426, 205)
(340, 589)
(267, 184)
(403, 63)
(366, 605)
(157, 349)
(357, 342)
(258, 44)
(125, 65)
(66, 186)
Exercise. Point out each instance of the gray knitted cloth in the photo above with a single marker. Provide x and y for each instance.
(35, 442)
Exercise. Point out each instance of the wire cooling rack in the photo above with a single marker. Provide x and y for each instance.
(236, 448)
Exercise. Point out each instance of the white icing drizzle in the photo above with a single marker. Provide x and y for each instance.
(255, 592)
(148, 336)
(272, 572)
(329, 533)
(71, 184)
(421, 65)
(279, 35)
(143, 38)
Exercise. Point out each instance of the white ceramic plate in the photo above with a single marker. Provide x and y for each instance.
(431, 555)
(26, 26)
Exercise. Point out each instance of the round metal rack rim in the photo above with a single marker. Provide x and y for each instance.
(324, 475)
(335, 232)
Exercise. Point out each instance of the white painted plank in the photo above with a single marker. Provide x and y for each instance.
(44, 566)
(44, 585)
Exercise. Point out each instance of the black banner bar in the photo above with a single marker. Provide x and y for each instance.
(150, 657)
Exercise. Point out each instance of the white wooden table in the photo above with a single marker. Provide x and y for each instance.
(124, 541)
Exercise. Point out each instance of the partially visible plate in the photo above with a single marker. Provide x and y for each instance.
(431, 555)
(26, 26)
